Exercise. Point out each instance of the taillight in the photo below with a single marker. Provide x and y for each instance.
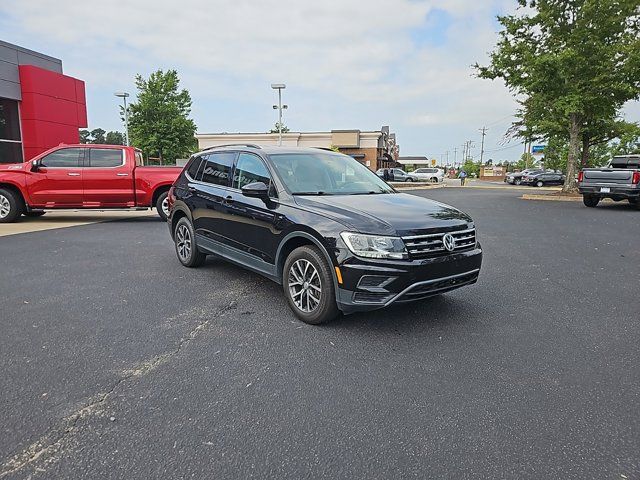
(636, 178)
(580, 176)
(171, 197)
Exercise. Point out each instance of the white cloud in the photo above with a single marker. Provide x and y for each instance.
(347, 63)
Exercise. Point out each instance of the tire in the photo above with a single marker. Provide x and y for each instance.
(11, 206)
(186, 247)
(409, 179)
(590, 201)
(539, 183)
(162, 206)
(34, 213)
(306, 307)
(517, 181)
(434, 180)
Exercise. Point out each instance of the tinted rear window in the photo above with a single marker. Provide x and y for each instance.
(194, 166)
(104, 157)
(217, 168)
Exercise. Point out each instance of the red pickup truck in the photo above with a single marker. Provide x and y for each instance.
(83, 176)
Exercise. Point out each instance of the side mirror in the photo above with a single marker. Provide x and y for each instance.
(35, 165)
(256, 190)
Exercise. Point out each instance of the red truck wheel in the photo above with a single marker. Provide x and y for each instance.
(10, 206)
(162, 206)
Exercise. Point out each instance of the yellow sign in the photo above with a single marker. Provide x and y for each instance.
(433, 162)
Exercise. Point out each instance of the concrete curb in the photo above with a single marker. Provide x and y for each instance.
(550, 198)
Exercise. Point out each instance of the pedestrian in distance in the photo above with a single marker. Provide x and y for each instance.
(385, 174)
(463, 177)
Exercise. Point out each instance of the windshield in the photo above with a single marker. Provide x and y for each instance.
(325, 173)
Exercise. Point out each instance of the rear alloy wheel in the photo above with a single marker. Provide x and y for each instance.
(539, 183)
(590, 200)
(434, 179)
(10, 206)
(308, 285)
(186, 247)
(162, 206)
(518, 181)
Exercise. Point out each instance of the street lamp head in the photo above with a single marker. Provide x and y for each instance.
(121, 94)
(275, 107)
(278, 86)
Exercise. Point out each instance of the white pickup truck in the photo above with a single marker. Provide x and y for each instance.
(619, 181)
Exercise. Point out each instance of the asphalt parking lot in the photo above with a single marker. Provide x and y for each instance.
(119, 363)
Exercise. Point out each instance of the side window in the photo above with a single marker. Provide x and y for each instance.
(105, 157)
(217, 168)
(250, 169)
(194, 166)
(64, 158)
(139, 159)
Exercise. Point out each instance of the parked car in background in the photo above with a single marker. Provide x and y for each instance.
(540, 179)
(84, 177)
(321, 224)
(435, 175)
(515, 178)
(619, 181)
(398, 175)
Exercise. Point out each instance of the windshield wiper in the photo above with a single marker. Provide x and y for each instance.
(309, 193)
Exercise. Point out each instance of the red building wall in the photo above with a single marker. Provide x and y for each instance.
(52, 110)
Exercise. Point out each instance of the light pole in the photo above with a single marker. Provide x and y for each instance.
(279, 107)
(124, 96)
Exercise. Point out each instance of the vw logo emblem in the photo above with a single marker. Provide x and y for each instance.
(449, 242)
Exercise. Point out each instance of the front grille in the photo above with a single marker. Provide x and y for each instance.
(429, 245)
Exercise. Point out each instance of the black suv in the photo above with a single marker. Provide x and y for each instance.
(321, 224)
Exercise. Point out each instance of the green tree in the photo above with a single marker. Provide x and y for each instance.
(97, 136)
(115, 138)
(159, 122)
(285, 129)
(574, 63)
(85, 136)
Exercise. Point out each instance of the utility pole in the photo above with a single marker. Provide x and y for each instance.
(455, 155)
(484, 132)
(447, 157)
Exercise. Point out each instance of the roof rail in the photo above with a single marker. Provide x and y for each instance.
(251, 145)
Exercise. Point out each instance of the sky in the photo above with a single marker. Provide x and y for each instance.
(347, 64)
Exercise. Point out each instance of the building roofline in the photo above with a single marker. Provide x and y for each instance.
(30, 52)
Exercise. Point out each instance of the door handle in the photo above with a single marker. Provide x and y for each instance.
(73, 174)
(228, 199)
(122, 174)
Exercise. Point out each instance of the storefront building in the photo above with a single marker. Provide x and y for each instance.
(40, 107)
(375, 149)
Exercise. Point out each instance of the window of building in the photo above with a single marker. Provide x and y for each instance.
(105, 157)
(250, 169)
(10, 140)
(217, 168)
(64, 158)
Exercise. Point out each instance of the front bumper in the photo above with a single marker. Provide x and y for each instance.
(373, 285)
(615, 192)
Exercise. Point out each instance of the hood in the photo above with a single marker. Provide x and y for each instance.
(398, 214)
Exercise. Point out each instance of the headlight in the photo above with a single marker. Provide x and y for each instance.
(374, 246)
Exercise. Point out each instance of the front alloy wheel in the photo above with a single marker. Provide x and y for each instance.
(305, 286)
(307, 280)
(539, 183)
